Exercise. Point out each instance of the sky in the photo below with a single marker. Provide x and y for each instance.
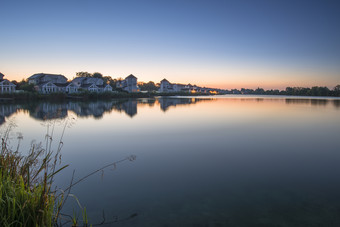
(223, 44)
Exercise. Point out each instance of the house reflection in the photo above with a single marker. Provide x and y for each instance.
(336, 103)
(90, 109)
(165, 103)
(6, 110)
(313, 102)
(129, 107)
(96, 109)
(47, 110)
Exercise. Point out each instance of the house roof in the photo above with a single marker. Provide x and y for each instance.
(104, 85)
(87, 85)
(87, 80)
(43, 83)
(9, 82)
(2, 75)
(39, 75)
(61, 84)
(165, 80)
(80, 79)
(131, 76)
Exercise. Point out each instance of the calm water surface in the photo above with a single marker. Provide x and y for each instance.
(221, 161)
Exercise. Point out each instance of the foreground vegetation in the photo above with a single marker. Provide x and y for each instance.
(26, 194)
(25, 190)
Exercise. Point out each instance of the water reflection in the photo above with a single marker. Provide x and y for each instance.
(7, 110)
(129, 107)
(47, 110)
(165, 103)
(313, 102)
(230, 161)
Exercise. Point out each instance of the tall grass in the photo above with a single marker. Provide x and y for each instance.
(26, 197)
(25, 190)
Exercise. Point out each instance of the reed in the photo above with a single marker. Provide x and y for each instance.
(26, 195)
(25, 190)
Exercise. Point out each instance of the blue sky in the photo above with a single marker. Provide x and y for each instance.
(227, 44)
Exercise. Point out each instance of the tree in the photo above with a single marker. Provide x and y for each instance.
(150, 86)
(336, 90)
(259, 91)
(289, 91)
(109, 80)
(25, 86)
(83, 74)
(97, 75)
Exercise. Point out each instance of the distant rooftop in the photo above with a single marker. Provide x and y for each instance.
(131, 76)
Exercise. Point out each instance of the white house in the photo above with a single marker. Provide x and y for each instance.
(106, 88)
(5, 85)
(68, 88)
(129, 84)
(47, 88)
(71, 88)
(91, 84)
(166, 86)
(79, 81)
(48, 83)
(90, 87)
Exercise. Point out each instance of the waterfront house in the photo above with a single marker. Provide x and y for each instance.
(91, 84)
(46, 87)
(167, 87)
(49, 87)
(5, 85)
(71, 88)
(90, 87)
(49, 83)
(129, 84)
(80, 81)
(106, 87)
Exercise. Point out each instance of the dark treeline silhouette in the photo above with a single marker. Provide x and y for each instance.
(295, 91)
(150, 86)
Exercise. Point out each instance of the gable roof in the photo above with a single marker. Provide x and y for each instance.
(42, 83)
(79, 79)
(131, 76)
(104, 86)
(87, 80)
(9, 82)
(61, 84)
(88, 85)
(40, 75)
(165, 80)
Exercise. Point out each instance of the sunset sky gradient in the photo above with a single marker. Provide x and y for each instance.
(224, 44)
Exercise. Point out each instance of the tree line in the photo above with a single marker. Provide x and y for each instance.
(294, 91)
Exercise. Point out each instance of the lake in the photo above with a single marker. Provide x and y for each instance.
(194, 161)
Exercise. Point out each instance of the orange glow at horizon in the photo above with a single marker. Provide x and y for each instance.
(227, 77)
